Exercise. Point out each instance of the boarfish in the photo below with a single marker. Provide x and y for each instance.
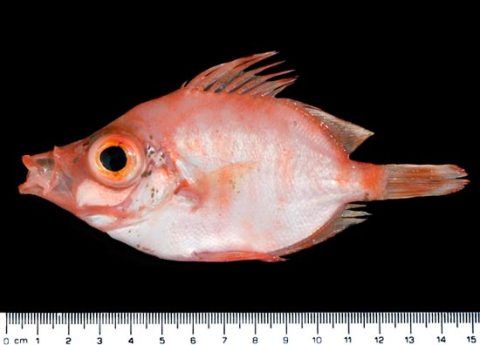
(223, 170)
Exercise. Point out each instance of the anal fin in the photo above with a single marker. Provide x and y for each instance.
(236, 256)
(346, 216)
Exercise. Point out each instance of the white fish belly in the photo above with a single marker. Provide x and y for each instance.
(275, 207)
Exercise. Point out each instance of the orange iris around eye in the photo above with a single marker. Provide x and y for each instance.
(116, 159)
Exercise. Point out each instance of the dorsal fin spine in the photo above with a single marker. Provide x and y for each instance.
(245, 77)
(234, 77)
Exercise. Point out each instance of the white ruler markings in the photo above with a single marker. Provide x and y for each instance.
(240, 328)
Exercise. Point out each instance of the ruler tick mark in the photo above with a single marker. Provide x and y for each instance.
(24, 322)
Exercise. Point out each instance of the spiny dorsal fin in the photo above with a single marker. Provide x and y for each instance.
(233, 77)
(345, 217)
(348, 134)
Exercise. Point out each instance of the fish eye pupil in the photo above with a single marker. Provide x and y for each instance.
(113, 158)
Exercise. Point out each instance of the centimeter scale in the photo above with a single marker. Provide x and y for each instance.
(239, 328)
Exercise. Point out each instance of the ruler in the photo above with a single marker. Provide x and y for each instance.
(239, 328)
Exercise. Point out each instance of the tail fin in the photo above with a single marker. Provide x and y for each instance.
(409, 181)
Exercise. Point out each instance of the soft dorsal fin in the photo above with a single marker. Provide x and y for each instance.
(233, 77)
(348, 134)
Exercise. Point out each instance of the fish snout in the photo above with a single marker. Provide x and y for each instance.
(41, 174)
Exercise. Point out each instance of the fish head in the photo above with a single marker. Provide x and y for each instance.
(111, 179)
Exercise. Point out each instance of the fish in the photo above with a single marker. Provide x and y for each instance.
(223, 169)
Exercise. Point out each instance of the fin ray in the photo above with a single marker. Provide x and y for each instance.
(348, 134)
(345, 217)
(410, 180)
(233, 77)
(236, 256)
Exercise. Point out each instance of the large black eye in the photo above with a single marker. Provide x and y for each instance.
(113, 158)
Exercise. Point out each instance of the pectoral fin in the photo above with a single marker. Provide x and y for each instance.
(217, 187)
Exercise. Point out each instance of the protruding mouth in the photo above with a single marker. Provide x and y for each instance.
(41, 174)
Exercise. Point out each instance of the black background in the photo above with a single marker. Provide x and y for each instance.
(406, 75)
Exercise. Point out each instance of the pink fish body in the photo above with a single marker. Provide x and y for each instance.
(222, 170)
